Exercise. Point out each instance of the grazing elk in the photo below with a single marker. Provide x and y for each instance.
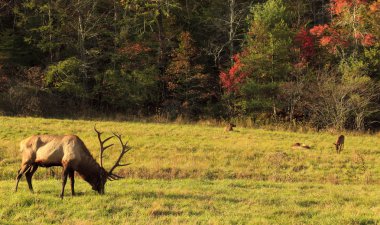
(339, 144)
(229, 127)
(70, 152)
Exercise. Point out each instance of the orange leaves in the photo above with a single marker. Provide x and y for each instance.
(339, 6)
(374, 7)
(319, 30)
(185, 79)
(133, 55)
(368, 40)
(325, 40)
(134, 49)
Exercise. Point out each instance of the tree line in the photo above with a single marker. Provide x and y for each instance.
(314, 61)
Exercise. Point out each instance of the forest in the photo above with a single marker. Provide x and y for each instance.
(314, 62)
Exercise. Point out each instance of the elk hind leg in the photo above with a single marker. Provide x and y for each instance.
(29, 175)
(71, 175)
(21, 171)
(65, 173)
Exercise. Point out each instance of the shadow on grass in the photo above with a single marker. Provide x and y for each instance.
(307, 203)
(175, 196)
(163, 212)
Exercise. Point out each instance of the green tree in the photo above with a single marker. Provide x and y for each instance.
(266, 56)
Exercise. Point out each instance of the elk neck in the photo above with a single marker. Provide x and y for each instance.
(89, 169)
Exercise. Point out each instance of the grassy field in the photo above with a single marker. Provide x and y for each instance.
(199, 174)
(192, 202)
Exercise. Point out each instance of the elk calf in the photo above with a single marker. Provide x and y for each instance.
(339, 144)
(229, 127)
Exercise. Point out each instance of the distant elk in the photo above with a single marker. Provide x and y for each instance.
(69, 152)
(339, 144)
(229, 127)
(300, 146)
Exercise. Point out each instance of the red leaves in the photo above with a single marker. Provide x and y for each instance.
(336, 35)
(306, 43)
(231, 80)
(329, 37)
(333, 36)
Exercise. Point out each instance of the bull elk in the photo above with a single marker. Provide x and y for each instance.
(69, 152)
(339, 144)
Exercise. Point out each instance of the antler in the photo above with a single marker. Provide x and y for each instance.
(125, 148)
(102, 148)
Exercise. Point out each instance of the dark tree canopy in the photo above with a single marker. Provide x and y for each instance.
(278, 60)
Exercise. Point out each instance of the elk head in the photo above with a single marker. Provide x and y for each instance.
(105, 175)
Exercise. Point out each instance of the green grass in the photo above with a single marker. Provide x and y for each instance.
(192, 202)
(199, 174)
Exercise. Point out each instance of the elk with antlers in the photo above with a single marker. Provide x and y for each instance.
(70, 152)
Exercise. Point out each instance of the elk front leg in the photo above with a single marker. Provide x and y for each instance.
(71, 175)
(29, 175)
(65, 173)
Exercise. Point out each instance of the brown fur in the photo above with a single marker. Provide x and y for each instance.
(339, 144)
(229, 127)
(67, 151)
(300, 146)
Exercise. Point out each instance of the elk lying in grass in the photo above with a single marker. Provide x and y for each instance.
(70, 152)
(300, 146)
(229, 127)
(339, 144)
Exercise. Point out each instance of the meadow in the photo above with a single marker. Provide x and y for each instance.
(199, 174)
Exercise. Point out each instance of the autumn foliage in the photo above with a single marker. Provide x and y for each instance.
(191, 59)
(339, 6)
(230, 80)
(347, 28)
(306, 44)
